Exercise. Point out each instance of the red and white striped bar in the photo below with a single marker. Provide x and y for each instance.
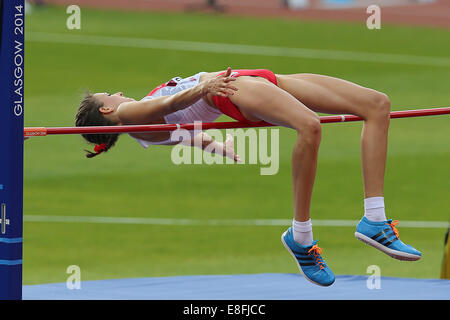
(33, 132)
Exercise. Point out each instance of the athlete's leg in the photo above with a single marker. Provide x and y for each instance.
(261, 100)
(331, 95)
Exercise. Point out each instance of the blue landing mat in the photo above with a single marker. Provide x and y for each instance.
(268, 286)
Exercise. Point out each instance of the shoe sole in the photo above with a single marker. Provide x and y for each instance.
(298, 264)
(399, 255)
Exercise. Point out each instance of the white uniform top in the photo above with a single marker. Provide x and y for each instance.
(199, 111)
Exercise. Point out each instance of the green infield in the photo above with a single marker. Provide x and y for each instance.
(410, 64)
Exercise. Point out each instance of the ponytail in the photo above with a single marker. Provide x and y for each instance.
(97, 150)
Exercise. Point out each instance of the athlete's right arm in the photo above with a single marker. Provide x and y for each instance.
(143, 112)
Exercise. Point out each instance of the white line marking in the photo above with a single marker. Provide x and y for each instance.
(228, 48)
(217, 222)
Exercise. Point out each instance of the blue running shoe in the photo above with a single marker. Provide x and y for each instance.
(384, 237)
(309, 260)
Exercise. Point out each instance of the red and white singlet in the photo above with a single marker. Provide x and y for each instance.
(199, 111)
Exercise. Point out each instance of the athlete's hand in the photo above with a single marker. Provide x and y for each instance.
(228, 147)
(220, 85)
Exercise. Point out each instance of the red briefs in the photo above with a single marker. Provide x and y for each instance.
(226, 106)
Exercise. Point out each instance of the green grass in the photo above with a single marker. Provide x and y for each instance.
(129, 181)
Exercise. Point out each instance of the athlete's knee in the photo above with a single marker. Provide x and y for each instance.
(383, 105)
(310, 130)
(379, 107)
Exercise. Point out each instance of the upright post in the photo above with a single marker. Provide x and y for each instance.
(11, 147)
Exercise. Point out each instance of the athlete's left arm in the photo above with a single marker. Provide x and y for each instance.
(208, 144)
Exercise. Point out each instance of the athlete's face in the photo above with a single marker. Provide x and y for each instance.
(112, 101)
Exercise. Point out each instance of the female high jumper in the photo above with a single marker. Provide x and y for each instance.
(284, 100)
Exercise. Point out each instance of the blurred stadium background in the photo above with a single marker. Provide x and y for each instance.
(63, 189)
(418, 12)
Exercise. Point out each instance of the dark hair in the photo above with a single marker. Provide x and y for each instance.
(89, 115)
